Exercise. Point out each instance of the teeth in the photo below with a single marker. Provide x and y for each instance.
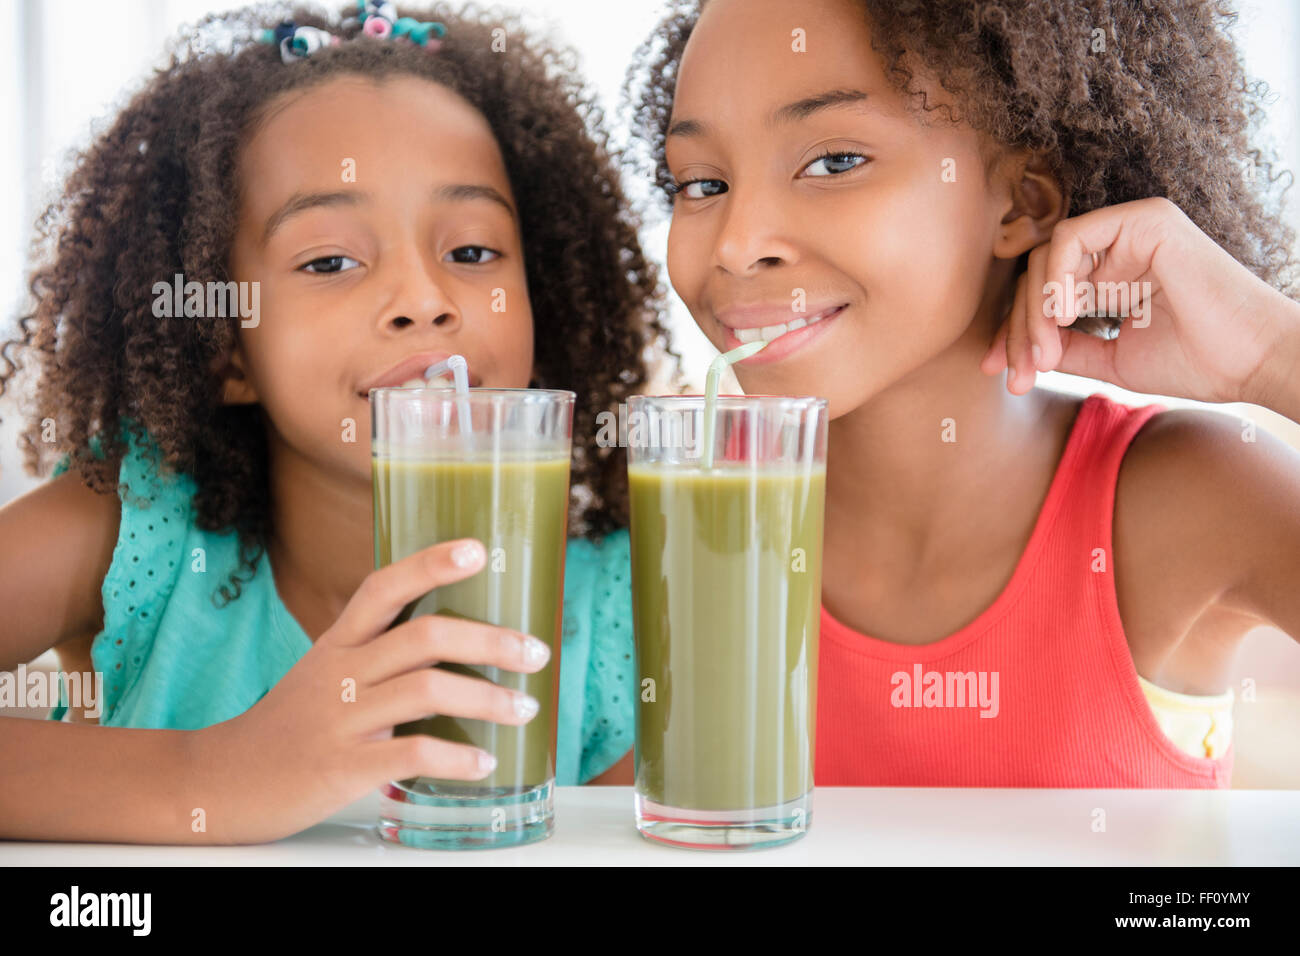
(414, 383)
(769, 332)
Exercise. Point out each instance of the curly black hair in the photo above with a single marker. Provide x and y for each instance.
(1126, 100)
(153, 196)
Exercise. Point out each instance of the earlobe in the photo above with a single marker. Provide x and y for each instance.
(1036, 203)
(236, 388)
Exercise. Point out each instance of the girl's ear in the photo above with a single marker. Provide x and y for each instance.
(236, 388)
(1035, 203)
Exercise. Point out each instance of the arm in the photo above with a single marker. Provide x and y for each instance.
(619, 775)
(84, 783)
(58, 542)
(1263, 531)
(1219, 523)
(1277, 384)
(62, 780)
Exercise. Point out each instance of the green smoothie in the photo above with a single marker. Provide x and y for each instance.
(519, 510)
(726, 577)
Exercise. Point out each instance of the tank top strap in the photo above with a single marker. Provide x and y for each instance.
(1110, 428)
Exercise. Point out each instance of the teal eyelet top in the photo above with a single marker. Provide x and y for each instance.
(172, 659)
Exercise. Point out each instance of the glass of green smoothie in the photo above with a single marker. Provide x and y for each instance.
(726, 594)
(491, 464)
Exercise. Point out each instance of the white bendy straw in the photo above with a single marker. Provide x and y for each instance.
(711, 392)
(460, 378)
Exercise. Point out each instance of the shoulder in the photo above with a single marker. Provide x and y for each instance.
(1210, 477)
(1202, 499)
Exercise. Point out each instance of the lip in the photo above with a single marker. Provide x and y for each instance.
(412, 366)
(783, 345)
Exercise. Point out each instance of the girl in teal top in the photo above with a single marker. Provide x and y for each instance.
(269, 229)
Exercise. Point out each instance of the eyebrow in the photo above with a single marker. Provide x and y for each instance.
(790, 113)
(462, 192)
(301, 202)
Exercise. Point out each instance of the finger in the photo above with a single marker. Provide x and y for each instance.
(1020, 377)
(1075, 240)
(420, 755)
(995, 359)
(431, 638)
(432, 690)
(1044, 343)
(386, 592)
(1088, 356)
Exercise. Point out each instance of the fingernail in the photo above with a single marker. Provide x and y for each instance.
(1011, 375)
(526, 707)
(535, 652)
(486, 762)
(465, 555)
(1037, 352)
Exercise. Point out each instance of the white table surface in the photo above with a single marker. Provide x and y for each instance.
(850, 825)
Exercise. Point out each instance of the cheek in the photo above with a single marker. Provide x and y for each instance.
(686, 258)
(519, 343)
(293, 364)
(919, 247)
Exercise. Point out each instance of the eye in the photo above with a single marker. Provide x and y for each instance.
(706, 188)
(329, 264)
(473, 254)
(833, 164)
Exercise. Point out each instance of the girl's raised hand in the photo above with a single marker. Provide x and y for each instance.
(1201, 325)
(309, 748)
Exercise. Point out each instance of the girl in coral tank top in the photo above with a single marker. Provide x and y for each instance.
(1021, 588)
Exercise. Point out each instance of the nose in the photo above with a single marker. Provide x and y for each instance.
(420, 295)
(755, 233)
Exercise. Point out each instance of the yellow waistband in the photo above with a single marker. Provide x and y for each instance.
(1199, 725)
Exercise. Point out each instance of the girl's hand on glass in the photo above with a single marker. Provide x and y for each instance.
(323, 736)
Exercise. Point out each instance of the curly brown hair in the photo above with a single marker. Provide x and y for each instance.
(152, 197)
(1126, 100)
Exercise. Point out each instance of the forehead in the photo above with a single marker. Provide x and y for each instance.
(397, 127)
(762, 39)
(747, 57)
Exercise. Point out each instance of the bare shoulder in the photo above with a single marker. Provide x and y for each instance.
(1204, 503)
(56, 546)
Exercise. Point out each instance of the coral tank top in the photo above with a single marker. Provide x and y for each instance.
(1040, 689)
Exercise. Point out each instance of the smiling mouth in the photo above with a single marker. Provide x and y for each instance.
(767, 333)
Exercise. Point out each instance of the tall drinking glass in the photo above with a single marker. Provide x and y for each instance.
(505, 481)
(726, 577)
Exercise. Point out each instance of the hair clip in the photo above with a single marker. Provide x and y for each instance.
(297, 42)
(378, 20)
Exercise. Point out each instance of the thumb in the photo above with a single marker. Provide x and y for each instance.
(1087, 355)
